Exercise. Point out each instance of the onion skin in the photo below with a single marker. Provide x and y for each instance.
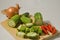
(11, 11)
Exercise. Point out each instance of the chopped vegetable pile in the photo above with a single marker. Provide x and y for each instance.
(29, 29)
(30, 26)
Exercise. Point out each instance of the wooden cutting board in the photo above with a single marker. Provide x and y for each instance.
(11, 30)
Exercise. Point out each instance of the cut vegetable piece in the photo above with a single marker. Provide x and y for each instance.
(32, 18)
(25, 19)
(19, 27)
(16, 18)
(38, 18)
(38, 15)
(13, 21)
(22, 28)
(39, 31)
(34, 28)
(29, 24)
(32, 35)
(20, 34)
(26, 14)
(27, 30)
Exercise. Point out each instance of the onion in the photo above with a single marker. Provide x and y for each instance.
(11, 11)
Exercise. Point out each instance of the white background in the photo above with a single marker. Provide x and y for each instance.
(50, 10)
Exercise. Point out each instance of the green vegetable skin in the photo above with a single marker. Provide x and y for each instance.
(25, 19)
(20, 34)
(26, 14)
(27, 30)
(36, 29)
(22, 28)
(39, 31)
(13, 21)
(32, 35)
(38, 18)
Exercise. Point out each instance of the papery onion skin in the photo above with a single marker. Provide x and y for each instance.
(11, 11)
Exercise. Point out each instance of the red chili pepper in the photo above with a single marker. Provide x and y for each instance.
(46, 28)
(54, 30)
(45, 31)
(50, 27)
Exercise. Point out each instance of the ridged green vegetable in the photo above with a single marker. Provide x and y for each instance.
(25, 19)
(13, 21)
(27, 30)
(39, 31)
(22, 28)
(38, 18)
(34, 28)
(32, 35)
